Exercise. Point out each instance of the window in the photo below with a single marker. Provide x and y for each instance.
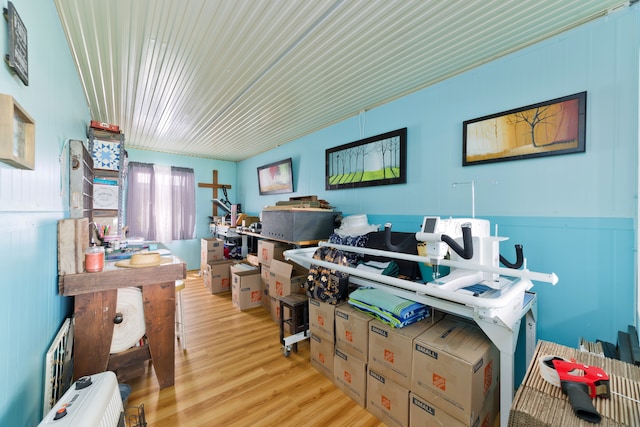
(161, 202)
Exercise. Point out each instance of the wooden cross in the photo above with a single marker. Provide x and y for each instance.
(214, 186)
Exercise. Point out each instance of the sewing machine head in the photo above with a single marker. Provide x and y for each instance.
(446, 237)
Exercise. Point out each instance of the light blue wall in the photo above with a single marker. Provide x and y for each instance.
(31, 202)
(189, 250)
(574, 214)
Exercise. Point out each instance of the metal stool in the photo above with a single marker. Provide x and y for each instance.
(299, 321)
(180, 332)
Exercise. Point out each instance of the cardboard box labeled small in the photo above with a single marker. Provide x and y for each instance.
(286, 278)
(424, 413)
(352, 331)
(456, 364)
(211, 249)
(321, 355)
(387, 400)
(246, 291)
(350, 376)
(217, 276)
(390, 349)
(269, 250)
(322, 319)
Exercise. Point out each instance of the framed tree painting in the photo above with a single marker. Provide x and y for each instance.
(544, 129)
(378, 160)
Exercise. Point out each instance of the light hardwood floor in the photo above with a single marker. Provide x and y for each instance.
(233, 373)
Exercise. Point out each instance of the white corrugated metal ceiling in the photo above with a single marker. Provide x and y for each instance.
(228, 79)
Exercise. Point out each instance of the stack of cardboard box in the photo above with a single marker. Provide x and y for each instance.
(390, 369)
(455, 376)
(214, 268)
(322, 336)
(278, 277)
(440, 371)
(351, 352)
(267, 251)
(246, 288)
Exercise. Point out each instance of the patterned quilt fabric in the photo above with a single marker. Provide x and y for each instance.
(326, 284)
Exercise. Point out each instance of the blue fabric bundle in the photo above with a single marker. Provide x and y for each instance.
(388, 308)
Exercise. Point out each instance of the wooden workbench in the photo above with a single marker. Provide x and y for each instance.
(95, 308)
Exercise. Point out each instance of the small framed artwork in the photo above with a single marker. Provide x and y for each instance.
(17, 134)
(276, 178)
(544, 129)
(378, 160)
(105, 196)
(106, 155)
(18, 56)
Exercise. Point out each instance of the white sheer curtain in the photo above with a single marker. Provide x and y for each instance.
(163, 202)
(160, 202)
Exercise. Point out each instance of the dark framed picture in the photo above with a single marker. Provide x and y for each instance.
(378, 160)
(276, 177)
(544, 129)
(18, 56)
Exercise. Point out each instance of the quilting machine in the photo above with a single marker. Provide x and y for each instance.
(496, 298)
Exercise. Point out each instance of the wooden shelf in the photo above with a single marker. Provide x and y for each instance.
(260, 236)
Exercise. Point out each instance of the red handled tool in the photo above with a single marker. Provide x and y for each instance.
(580, 383)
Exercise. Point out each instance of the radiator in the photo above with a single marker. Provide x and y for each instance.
(58, 366)
(93, 400)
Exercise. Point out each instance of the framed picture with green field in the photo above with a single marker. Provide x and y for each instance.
(377, 160)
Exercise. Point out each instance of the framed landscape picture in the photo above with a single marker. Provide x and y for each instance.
(544, 129)
(378, 160)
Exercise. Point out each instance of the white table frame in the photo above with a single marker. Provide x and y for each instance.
(499, 318)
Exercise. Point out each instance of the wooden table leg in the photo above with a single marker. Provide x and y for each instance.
(94, 313)
(159, 315)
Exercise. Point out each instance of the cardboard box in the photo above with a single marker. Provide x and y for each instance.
(321, 319)
(269, 250)
(422, 412)
(350, 376)
(264, 273)
(390, 349)
(217, 276)
(266, 299)
(456, 364)
(211, 249)
(253, 259)
(246, 291)
(264, 280)
(321, 355)
(387, 400)
(352, 331)
(274, 307)
(286, 278)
